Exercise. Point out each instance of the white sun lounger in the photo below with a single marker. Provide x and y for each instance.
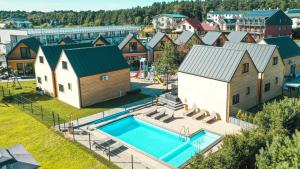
(159, 115)
(190, 111)
(200, 114)
(167, 118)
(210, 118)
(115, 146)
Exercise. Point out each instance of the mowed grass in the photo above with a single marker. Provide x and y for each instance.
(66, 111)
(51, 150)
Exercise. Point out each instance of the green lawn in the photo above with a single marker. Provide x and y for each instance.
(66, 111)
(49, 148)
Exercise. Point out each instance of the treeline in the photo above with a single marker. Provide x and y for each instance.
(142, 15)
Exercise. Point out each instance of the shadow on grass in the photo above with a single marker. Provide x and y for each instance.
(34, 97)
(120, 102)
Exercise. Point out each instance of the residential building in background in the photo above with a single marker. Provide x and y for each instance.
(217, 16)
(156, 45)
(215, 79)
(21, 57)
(236, 36)
(227, 25)
(214, 39)
(86, 76)
(186, 40)
(133, 50)
(294, 14)
(16, 22)
(270, 66)
(265, 23)
(210, 26)
(289, 51)
(190, 24)
(47, 36)
(167, 22)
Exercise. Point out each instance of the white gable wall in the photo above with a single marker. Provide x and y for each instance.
(64, 77)
(42, 70)
(205, 93)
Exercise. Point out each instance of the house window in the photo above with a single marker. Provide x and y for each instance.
(99, 45)
(64, 65)
(247, 90)
(104, 77)
(39, 80)
(25, 52)
(46, 78)
(132, 46)
(61, 88)
(267, 87)
(275, 60)
(276, 80)
(245, 67)
(236, 99)
(41, 59)
(69, 86)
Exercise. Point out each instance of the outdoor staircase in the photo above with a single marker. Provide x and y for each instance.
(173, 104)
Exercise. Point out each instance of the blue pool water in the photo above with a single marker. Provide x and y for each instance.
(159, 142)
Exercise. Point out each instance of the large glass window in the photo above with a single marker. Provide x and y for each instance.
(132, 46)
(25, 52)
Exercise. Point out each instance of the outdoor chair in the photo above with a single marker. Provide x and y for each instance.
(190, 111)
(161, 113)
(202, 113)
(210, 118)
(151, 112)
(101, 144)
(167, 118)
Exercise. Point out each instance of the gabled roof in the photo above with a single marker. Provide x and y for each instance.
(91, 61)
(261, 13)
(195, 23)
(210, 27)
(260, 54)
(67, 40)
(184, 37)
(236, 36)
(156, 39)
(212, 62)
(101, 38)
(286, 46)
(230, 20)
(128, 39)
(211, 37)
(31, 42)
(16, 154)
(52, 52)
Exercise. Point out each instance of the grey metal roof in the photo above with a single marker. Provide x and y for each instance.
(212, 62)
(184, 37)
(260, 54)
(20, 154)
(211, 37)
(4, 156)
(236, 36)
(156, 39)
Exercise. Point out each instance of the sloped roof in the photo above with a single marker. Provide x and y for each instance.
(31, 42)
(226, 12)
(286, 46)
(100, 37)
(293, 13)
(16, 154)
(184, 37)
(127, 39)
(195, 23)
(260, 54)
(67, 40)
(91, 61)
(230, 20)
(210, 27)
(236, 36)
(52, 52)
(212, 62)
(156, 39)
(261, 13)
(172, 15)
(211, 37)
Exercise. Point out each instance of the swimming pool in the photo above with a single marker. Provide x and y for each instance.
(160, 143)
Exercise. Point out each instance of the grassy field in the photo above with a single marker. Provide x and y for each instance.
(66, 111)
(49, 148)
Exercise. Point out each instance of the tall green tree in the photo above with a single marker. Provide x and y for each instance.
(168, 62)
(282, 153)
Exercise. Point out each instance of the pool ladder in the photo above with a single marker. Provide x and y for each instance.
(184, 133)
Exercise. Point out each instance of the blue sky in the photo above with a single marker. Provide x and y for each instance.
(50, 5)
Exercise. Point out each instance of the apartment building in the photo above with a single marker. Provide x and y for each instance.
(166, 22)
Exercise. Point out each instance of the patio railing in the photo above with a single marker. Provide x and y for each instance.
(241, 123)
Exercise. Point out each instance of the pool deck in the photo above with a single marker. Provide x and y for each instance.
(143, 160)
